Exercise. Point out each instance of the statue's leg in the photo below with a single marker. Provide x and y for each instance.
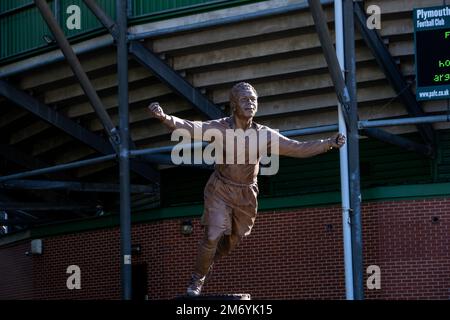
(205, 256)
(217, 221)
(242, 222)
(226, 245)
(228, 242)
(207, 249)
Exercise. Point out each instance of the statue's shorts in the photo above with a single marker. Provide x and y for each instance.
(230, 206)
(229, 215)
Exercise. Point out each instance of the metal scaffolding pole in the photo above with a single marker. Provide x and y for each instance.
(295, 7)
(61, 167)
(158, 154)
(346, 93)
(107, 22)
(363, 124)
(46, 206)
(7, 222)
(69, 126)
(71, 186)
(77, 69)
(150, 153)
(402, 142)
(392, 72)
(320, 22)
(125, 199)
(343, 159)
(311, 130)
(159, 68)
(353, 152)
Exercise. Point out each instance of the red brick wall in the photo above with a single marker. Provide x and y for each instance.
(15, 273)
(289, 255)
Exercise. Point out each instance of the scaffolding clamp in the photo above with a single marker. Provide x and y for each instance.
(114, 136)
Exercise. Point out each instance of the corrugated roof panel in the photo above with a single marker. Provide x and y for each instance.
(144, 7)
(88, 21)
(6, 5)
(22, 31)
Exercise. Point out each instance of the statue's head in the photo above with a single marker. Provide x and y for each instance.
(243, 100)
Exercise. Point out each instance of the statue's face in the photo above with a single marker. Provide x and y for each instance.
(246, 104)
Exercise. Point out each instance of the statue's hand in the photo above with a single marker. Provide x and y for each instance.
(337, 141)
(156, 111)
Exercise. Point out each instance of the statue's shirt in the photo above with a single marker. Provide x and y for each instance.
(246, 173)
